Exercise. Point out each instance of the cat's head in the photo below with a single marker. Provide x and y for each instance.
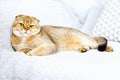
(25, 26)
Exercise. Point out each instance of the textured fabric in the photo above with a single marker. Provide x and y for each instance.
(108, 24)
(84, 11)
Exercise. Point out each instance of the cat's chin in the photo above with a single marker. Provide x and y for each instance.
(24, 35)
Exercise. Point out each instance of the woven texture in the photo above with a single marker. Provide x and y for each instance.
(108, 24)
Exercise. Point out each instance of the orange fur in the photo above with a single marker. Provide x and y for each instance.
(16, 40)
(72, 43)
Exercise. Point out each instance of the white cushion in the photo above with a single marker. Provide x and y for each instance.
(108, 24)
(85, 12)
(79, 8)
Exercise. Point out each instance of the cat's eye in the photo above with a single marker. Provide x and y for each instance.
(21, 24)
(31, 25)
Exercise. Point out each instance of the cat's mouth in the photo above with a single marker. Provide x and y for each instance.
(25, 34)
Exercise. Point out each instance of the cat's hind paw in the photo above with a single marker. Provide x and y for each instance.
(83, 49)
(109, 49)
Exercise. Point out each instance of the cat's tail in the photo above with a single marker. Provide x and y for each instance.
(102, 44)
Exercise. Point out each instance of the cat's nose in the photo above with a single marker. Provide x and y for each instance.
(26, 29)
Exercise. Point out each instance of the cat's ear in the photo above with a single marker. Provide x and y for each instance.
(36, 19)
(18, 16)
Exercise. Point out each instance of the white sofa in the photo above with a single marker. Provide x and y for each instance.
(66, 65)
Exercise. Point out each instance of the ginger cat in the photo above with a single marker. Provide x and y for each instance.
(35, 40)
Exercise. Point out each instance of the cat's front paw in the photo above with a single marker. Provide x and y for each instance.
(28, 54)
(23, 50)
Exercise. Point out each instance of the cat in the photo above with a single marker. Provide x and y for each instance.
(35, 40)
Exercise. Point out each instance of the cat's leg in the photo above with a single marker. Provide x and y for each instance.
(23, 50)
(42, 50)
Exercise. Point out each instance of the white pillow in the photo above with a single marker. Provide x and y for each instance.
(93, 15)
(79, 7)
(85, 11)
(108, 24)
